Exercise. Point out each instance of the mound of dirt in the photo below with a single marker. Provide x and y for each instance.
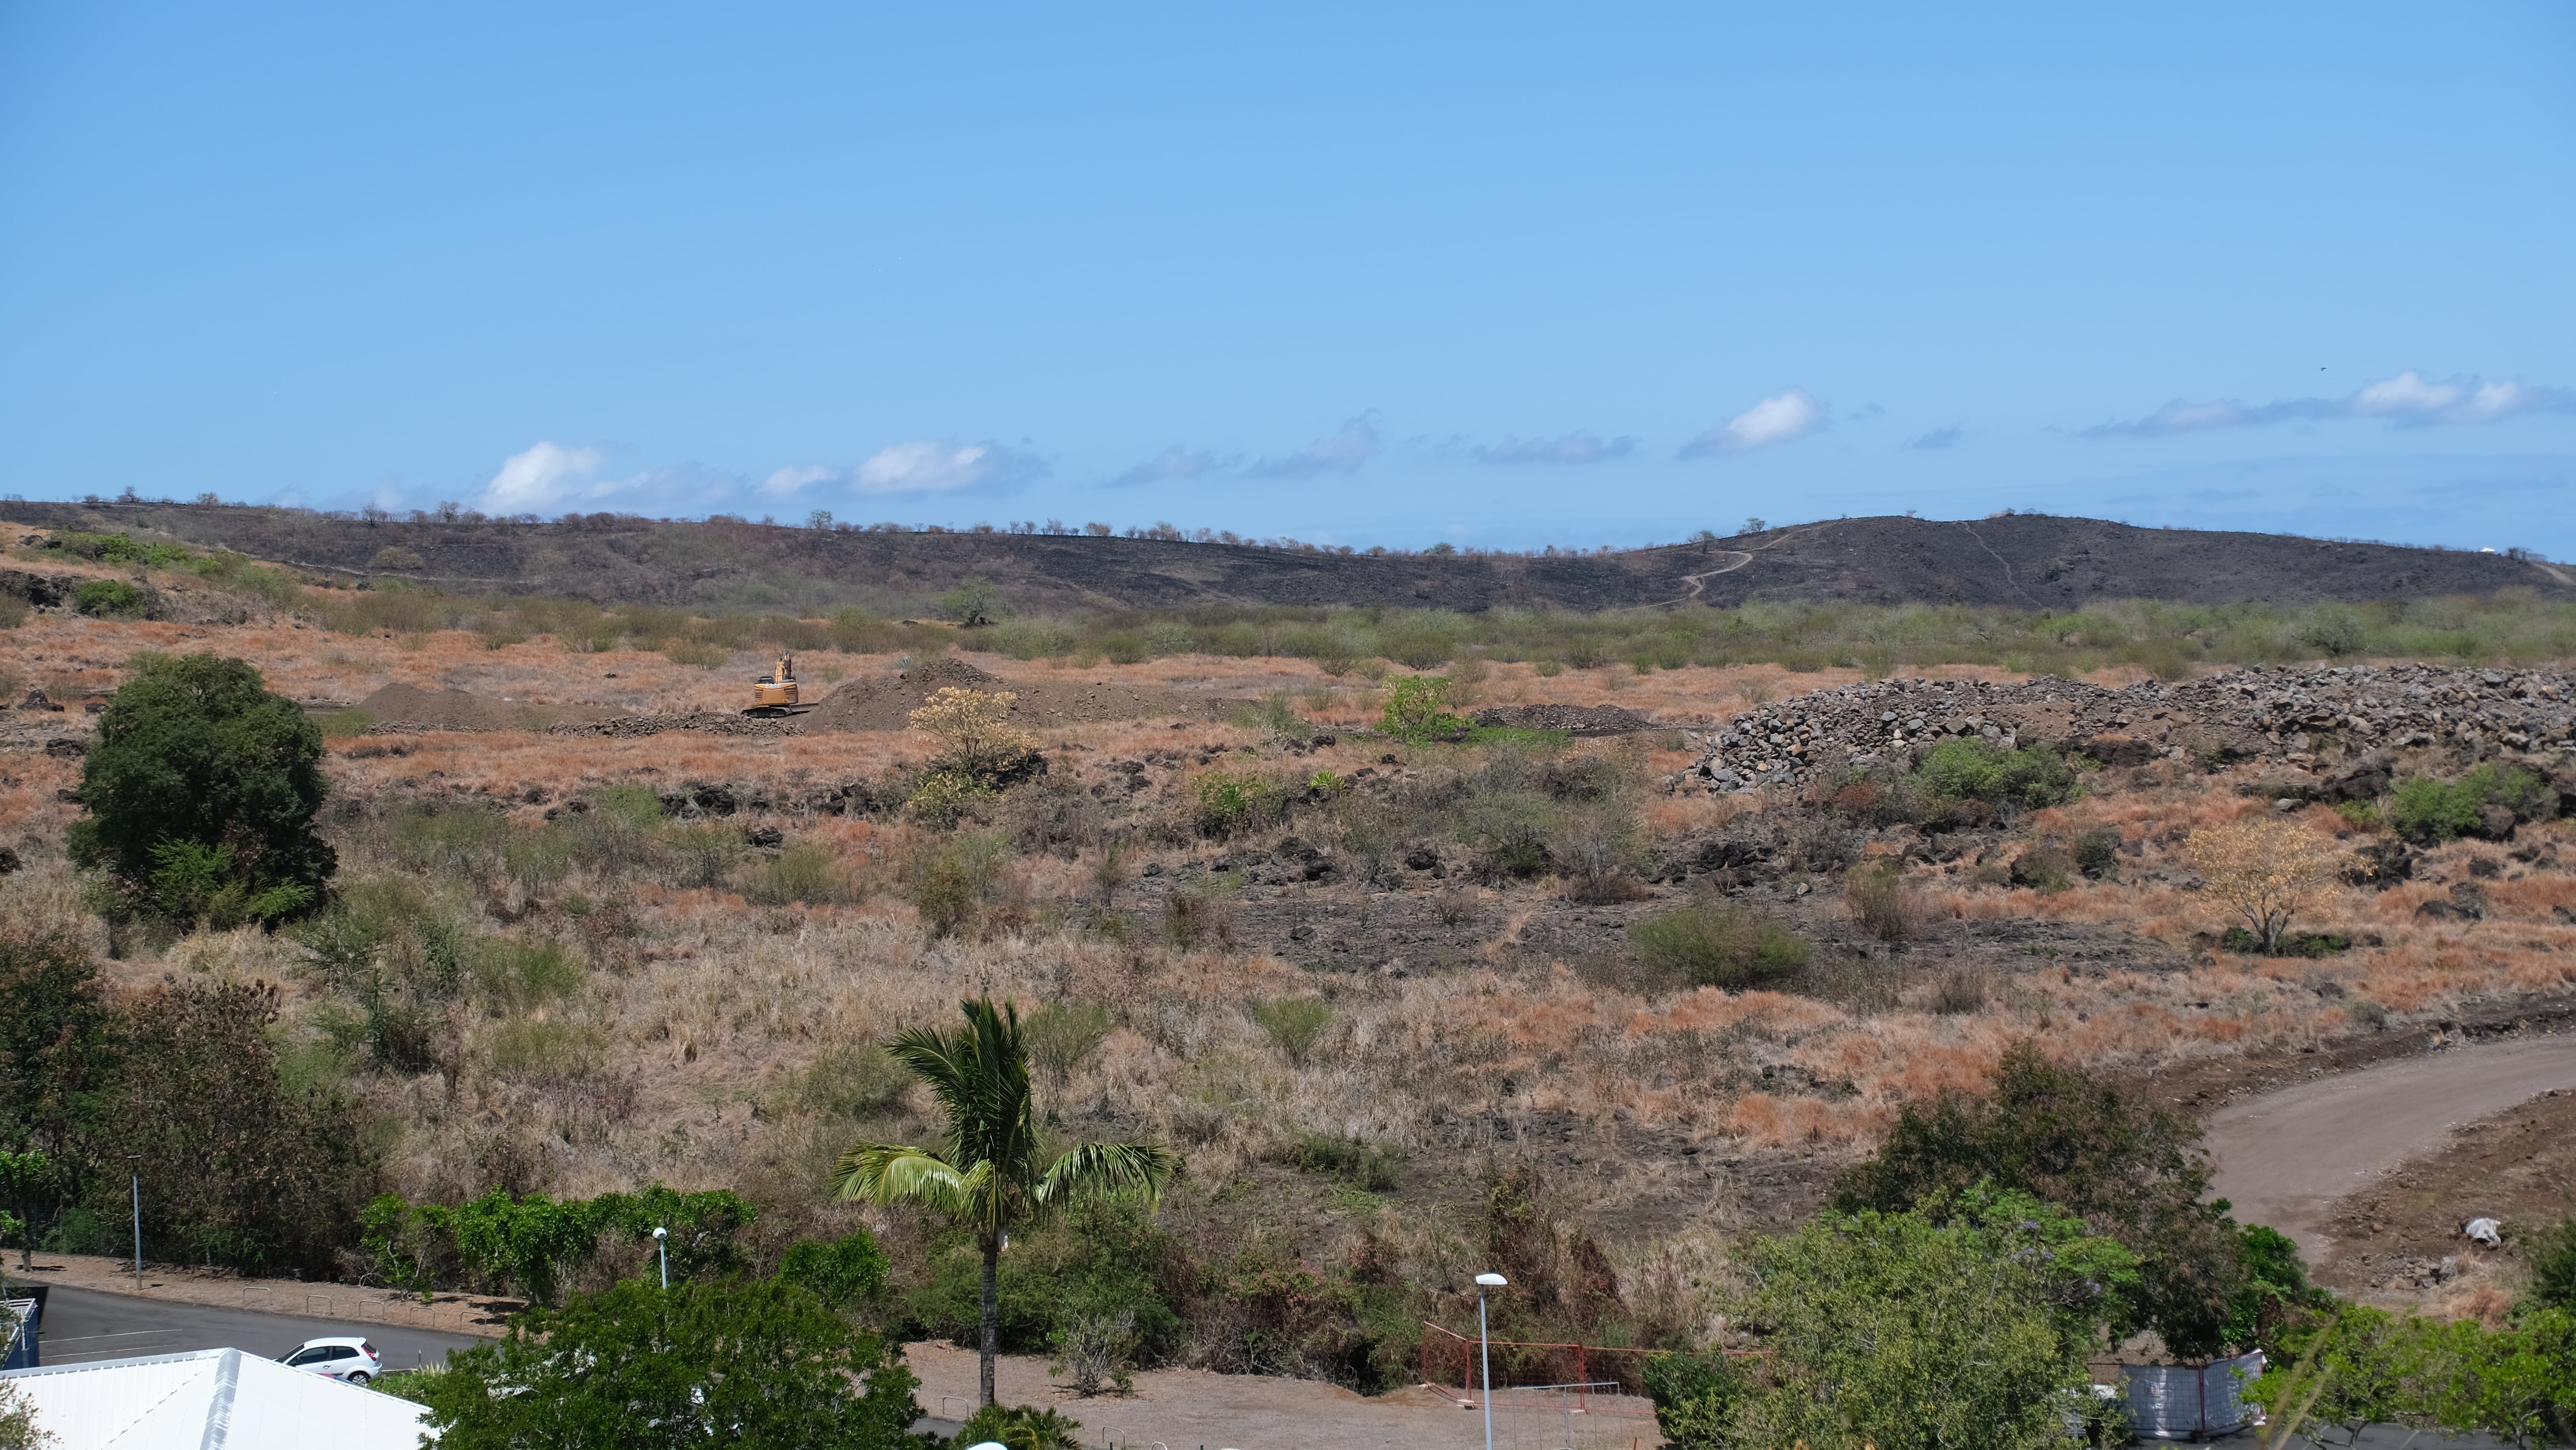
(887, 703)
(409, 709)
(1584, 720)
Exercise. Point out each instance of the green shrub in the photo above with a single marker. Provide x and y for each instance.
(1875, 893)
(1296, 1024)
(2424, 809)
(202, 789)
(1020, 1427)
(2076, 1141)
(464, 840)
(757, 1363)
(111, 599)
(845, 1273)
(806, 874)
(1125, 647)
(541, 1050)
(1275, 715)
(702, 855)
(2294, 944)
(2335, 630)
(2097, 852)
(950, 882)
(973, 604)
(2362, 815)
(1417, 710)
(1104, 1258)
(1695, 1398)
(2031, 776)
(2552, 1253)
(1232, 802)
(853, 1082)
(1060, 1035)
(2518, 1382)
(946, 798)
(1367, 1165)
(1713, 944)
(514, 976)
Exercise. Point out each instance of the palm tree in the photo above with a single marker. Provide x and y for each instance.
(988, 1173)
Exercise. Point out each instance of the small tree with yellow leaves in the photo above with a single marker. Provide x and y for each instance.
(2265, 870)
(974, 733)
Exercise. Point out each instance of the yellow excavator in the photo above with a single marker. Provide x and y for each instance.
(774, 694)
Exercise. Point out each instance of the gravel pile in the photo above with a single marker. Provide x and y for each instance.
(2268, 712)
(710, 722)
(1583, 720)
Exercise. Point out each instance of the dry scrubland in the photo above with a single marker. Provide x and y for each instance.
(711, 1033)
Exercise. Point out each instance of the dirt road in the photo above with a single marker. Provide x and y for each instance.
(2283, 1158)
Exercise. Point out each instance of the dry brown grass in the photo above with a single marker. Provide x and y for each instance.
(686, 1061)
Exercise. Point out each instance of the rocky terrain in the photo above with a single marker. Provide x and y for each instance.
(2299, 717)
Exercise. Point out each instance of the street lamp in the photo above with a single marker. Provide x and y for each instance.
(662, 1246)
(135, 1162)
(1485, 1349)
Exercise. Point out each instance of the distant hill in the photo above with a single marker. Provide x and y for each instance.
(2020, 561)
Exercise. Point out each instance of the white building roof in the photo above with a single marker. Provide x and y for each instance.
(212, 1399)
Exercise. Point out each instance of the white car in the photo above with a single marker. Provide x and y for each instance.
(352, 1361)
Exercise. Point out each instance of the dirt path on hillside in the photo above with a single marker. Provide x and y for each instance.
(1699, 581)
(2285, 1158)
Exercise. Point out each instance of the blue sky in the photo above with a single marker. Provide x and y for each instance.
(1503, 275)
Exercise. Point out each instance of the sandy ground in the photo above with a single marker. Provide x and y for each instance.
(1182, 1409)
(2284, 1158)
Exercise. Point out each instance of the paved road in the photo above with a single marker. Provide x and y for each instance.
(85, 1324)
(2282, 1158)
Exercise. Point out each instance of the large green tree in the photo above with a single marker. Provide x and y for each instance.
(759, 1364)
(2134, 1173)
(1963, 1323)
(993, 1173)
(201, 792)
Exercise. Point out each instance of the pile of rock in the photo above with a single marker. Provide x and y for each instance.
(2281, 714)
(1578, 720)
(711, 722)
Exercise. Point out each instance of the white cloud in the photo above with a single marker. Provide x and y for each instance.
(2407, 400)
(1173, 465)
(1569, 448)
(925, 466)
(1779, 418)
(541, 478)
(795, 478)
(1344, 452)
(1937, 438)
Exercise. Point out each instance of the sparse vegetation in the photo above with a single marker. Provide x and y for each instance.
(2266, 872)
(1712, 944)
(2427, 810)
(1346, 974)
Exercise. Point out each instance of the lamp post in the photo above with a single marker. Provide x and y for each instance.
(1485, 1349)
(134, 1161)
(662, 1246)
